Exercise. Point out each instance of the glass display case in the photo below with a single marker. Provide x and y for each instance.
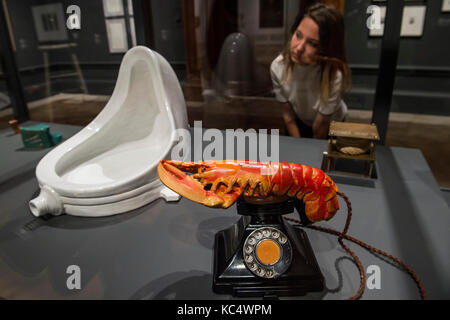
(122, 86)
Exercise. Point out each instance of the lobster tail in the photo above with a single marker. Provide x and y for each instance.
(318, 192)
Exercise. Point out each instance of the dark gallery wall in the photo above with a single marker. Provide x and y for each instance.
(423, 71)
(168, 30)
(100, 67)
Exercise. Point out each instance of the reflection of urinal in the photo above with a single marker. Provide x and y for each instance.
(109, 167)
(237, 73)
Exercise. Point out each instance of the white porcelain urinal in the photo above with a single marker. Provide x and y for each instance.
(109, 167)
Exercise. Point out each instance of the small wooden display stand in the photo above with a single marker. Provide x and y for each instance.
(351, 141)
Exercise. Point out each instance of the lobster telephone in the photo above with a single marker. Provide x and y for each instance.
(263, 256)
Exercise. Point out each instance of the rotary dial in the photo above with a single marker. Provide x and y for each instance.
(267, 252)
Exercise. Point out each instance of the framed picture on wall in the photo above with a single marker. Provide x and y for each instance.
(113, 8)
(117, 35)
(413, 21)
(445, 6)
(49, 22)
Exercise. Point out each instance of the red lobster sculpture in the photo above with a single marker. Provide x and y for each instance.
(261, 182)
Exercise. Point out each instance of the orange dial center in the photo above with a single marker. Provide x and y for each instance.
(268, 252)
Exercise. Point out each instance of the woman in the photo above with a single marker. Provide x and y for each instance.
(311, 75)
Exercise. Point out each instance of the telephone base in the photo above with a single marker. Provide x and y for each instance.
(233, 276)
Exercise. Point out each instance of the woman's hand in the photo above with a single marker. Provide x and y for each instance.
(289, 120)
(321, 126)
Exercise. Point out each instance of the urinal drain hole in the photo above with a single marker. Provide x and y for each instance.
(33, 208)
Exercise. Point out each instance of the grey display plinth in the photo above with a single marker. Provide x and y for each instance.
(165, 250)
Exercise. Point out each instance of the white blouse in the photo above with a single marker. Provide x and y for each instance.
(302, 90)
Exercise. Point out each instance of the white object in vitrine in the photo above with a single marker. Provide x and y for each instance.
(109, 167)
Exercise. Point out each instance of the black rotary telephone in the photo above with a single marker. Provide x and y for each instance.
(264, 256)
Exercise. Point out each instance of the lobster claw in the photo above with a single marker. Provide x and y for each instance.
(173, 175)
